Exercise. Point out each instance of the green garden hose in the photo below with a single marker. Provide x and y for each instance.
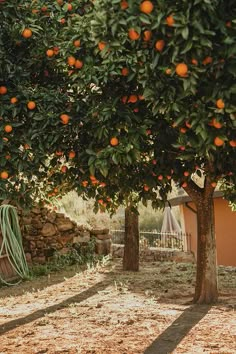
(12, 242)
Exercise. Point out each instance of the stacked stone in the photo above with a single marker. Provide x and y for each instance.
(103, 241)
(45, 232)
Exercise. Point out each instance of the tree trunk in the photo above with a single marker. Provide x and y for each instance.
(131, 247)
(206, 290)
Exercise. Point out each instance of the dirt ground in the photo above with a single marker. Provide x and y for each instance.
(108, 311)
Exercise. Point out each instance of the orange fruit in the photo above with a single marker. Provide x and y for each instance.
(26, 147)
(146, 7)
(124, 99)
(228, 24)
(133, 35)
(146, 188)
(77, 43)
(168, 71)
(207, 60)
(3, 90)
(181, 70)
(69, 7)
(84, 183)
(64, 118)
(58, 153)
(8, 128)
(218, 141)
(216, 124)
(4, 175)
(35, 11)
(114, 141)
(220, 103)
(44, 8)
(125, 72)
(56, 50)
(60, 2)
(63, 20)
(184, 185)
(31, 105)
(159, 45)
(78, 64)
(132, 99)
(147, 35)
(102, 45)
(63, 169)
(13, 100)
(124, 4)
(194, 61)
(213, 184)
(170, 20)
(232, 143)
(50, 53)
(27, 33)
(71, 60)
(188, 125)
(8, 157)
(186, 173)
(71, 154)
(183, 130)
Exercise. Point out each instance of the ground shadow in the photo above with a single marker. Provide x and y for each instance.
(168, 340)
(6, 327)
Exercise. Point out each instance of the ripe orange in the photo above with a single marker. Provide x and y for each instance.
(184, 185)
(102, 45)
(64, 118)
(160, 177)
(194, 61)
(188, 125)
(183, 130)
(63, 20)
(213, 184)
(133, 35)
(3, 90)
(146, 188)
(170, 20)
(27, 33)
(8, 128)
(114, 141)
(31, 105)
(124, 99)
(4, 175)
(77, 43)
(14, 100)
(26, 147)
(168, 71)
(71, 60)
(60, 2)
(124, 5)
(56, 50)
(220, 103)
(216, 124)
(58, 153)
(218, 141)
(71, 154)
(69, 7)
(50, 53)
(125, 72)
(186, 173)
(146, 7)
(63, 169)
(159, 45)
(181, 69)
(232, 143)
(147, 35)
(132, 99)
(84, 183)
(207, 60)
(78, 64)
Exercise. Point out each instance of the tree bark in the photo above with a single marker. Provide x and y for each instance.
(206, 289)
(131, 246)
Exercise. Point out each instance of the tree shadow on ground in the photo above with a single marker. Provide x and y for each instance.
(41, 313)
(168, 340)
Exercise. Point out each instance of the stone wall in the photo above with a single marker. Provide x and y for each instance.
(153, 254)
(45, 232)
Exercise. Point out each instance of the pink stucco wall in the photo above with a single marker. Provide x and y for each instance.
(225, 223)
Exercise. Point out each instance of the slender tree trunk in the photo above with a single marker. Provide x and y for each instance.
(206, 290)
(131, 247)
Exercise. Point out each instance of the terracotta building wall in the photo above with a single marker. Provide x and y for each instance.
(225, 221)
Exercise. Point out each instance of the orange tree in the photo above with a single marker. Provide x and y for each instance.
(159, 82)
(35, 99)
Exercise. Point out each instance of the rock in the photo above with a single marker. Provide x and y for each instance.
(40, 244)
(26, 220)
(103, 236)
(51, 216)
(38, 225)
(85, 237)
(99, 231)
(39, 260)
(28, 257)
(48, 230)
(63, 240)
(183, 257)
(65, 225)
(36, 210)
